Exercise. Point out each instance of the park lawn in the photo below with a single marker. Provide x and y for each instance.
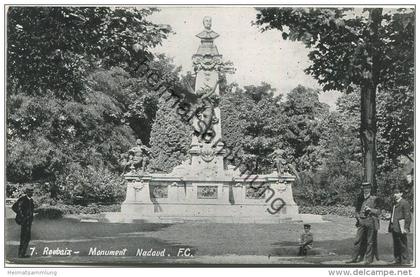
(238, 243)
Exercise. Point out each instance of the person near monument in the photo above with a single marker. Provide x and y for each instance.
(24, 209)
(367, 217)
(306, 240)
(399, 226)
(363, 244)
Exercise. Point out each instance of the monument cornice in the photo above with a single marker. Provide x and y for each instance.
(246, 179)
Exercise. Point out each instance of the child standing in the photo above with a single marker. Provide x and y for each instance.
(306, 240)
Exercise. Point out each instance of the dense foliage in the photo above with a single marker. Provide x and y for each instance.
(170, 137)
(54, 48)
(73, 95)
(370, 49)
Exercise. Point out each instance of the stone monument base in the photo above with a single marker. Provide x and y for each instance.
(221, 198)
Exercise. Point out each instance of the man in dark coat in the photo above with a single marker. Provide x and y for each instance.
(399, 226)
(367, 216)
(306, 240)
(24, 209)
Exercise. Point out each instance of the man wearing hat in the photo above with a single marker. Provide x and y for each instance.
(306, 240)
(367, 216)
(399, 226)
(24, 209)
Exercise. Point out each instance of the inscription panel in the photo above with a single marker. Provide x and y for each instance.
(255, 191)
(159, 190)
(207, 192)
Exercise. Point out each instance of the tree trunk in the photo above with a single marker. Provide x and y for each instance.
(368, 132)
(368, 100)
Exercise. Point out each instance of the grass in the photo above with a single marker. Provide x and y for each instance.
(245, 242)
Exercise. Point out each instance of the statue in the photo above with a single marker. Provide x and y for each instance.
(203, 102)
(207, 57)
(207, 36)
(206, 118)
(208, 33)
(137, 158)
(207, 63)
(280, 159)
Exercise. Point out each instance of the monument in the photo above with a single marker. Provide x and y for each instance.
(205, 187)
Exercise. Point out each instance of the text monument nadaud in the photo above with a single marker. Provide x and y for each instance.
(205, 187)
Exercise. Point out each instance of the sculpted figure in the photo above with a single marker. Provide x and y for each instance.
(204, 118)
(138, 157)
(279, 157)
(207, 48)
(208, 33)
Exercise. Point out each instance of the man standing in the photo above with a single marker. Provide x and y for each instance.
(399, 226)
(24, 209)
(367, 216)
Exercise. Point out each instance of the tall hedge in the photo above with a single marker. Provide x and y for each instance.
(170, 138)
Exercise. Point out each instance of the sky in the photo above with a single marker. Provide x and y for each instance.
(258, 57)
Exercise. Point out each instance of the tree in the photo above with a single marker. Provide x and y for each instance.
(45, 134)
(170, 137)
(341, 154)
(353, 47)
(55, 48)
(253, 125)
(233, 123)
(305, 114)
(395, 125)
(137, 96)
(72, 89)
(264, 126)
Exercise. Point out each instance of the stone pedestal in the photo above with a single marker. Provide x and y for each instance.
(204, 190)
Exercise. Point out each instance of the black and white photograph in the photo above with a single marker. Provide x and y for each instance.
(153, 135)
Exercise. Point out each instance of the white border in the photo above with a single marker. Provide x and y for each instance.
(91, 271)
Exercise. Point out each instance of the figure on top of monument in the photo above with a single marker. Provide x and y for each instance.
(207, 36)
(208, 33)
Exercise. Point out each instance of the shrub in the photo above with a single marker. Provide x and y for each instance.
(15, 190)
(49, 212)
(320, 189)
(89, 209)
(386, 181)
(83, 186)
(110, 208)
(340, 210)
(323, 189)
(40, 196)
(317, 189)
